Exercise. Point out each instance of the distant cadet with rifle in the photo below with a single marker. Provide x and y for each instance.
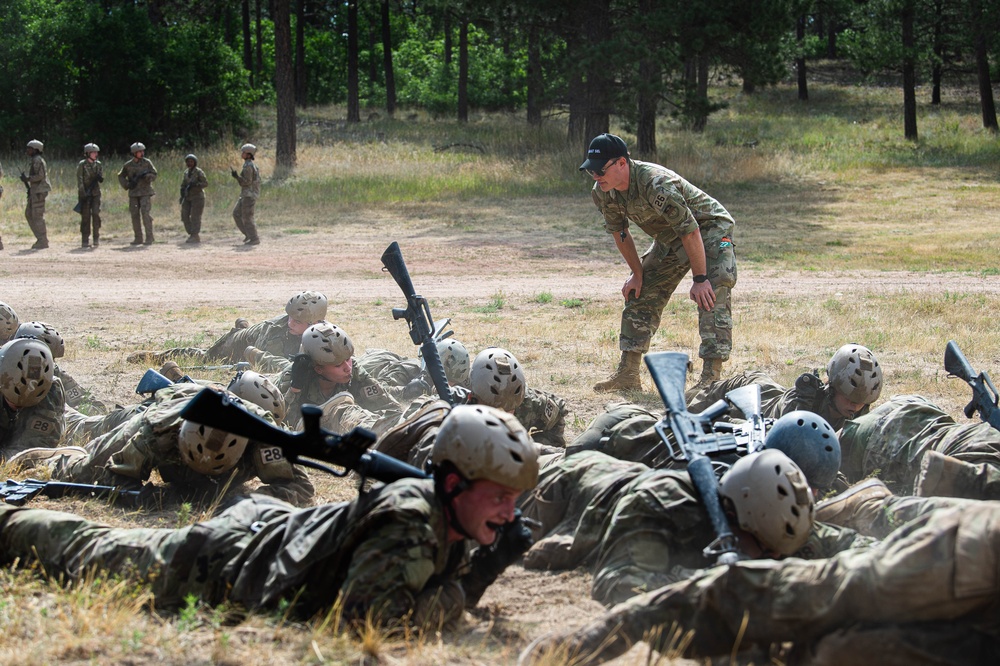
(137, 176)
(197, 461)
(193, 184)
(397, 553)
(279, 336)
(89, 176)
(32, 400)
(249, 179)
(855, 380)
(691, 231)
(36, 181)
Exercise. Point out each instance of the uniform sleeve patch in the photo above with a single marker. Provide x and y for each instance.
(372, 391)
(270, 455)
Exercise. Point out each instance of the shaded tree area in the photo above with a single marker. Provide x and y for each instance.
(179, 72)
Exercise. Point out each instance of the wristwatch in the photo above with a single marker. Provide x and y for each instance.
(700, 278)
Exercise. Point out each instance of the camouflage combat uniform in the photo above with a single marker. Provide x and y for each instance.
(366, 393)
(78, 397)
(81, 428)
(39, 188)
(667, 207)
(243, 211)
(640, 528)
(926, 595)
(147, 441)
(890, 441)
(270, 336)
(193, 184)
(386, 553)
(543, 415)
(38, 426)
(809, 393)
(88, 190)
(140, 197)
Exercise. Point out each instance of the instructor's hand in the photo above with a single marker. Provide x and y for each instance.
(703, 294)
(632, 284)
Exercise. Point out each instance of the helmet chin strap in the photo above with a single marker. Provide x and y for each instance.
(448, 498)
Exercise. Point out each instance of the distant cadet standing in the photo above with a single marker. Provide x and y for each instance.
(89, 176)
(38, 188)
(137, 176)
(690, 230)
(193, 184)
(249, 180)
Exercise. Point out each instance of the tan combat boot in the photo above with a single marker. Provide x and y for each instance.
(626, 376)
(856, 508)
(944, 476)
(41, 456)
(172, 371)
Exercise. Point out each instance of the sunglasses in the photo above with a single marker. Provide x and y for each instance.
(597, 173)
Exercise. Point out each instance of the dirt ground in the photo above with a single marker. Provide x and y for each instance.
(116, 299)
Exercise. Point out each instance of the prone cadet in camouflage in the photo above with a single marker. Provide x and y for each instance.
(193, 184)
(406, 378)
(690, 231)
(76, 396)
(39, 187)
(89, 176)
(31, 397)
(137, 176)
(927, 594)
(854, 382)
(280, 336)
(325, 368)
(249, 180)
(893, 440)
(158, 438)
(398, 552)
(641, 528)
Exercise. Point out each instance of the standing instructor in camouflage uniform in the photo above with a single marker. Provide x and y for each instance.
(137, 176)
(249, 180)
(38, 188)
(193, 184)
(690, 230)
(89, 176)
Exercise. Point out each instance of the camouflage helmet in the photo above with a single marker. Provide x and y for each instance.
(248, 148)
(136, 147)
(497, 379)
(8, 322)
(45, 333)
(810, 442)
(36, 144)
(455, 359)
(772, 500)
(854, 372)
(327, 344)
(261, 391)
(486, 443)
(308, 307)
(26, 371)
(207, 450)
(192, 157)
(91, 148)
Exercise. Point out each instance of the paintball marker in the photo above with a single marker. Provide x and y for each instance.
(349, 451)
(19, 492)
(694, 436)
(984, 394)
(132, 182)
(418, 317)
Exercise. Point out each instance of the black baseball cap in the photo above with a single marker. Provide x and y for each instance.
(604, 147)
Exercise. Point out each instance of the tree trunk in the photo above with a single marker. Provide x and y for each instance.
(463, 70)
(247, 43)
(576, 128)
(701, 117)
(534, 76)
(645, 133)
(284, 86)
(598, 81)
(986, 103)
(800, 62)
(938, 52)
(390, 78)
(353, 95)
(447, 38)
(301, 88)
(909, 75)
(260, 43)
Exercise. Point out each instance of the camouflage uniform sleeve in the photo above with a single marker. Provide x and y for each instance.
(391, 574)
(123, 176)
(369, 393)
(544, 416)
(670, 203)
(200, 179)
(827, 540)
(274, 364)
(282, 479)
(152, 176)
(79, 178)
(614, 216)
(245, 179)
(41, 425)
